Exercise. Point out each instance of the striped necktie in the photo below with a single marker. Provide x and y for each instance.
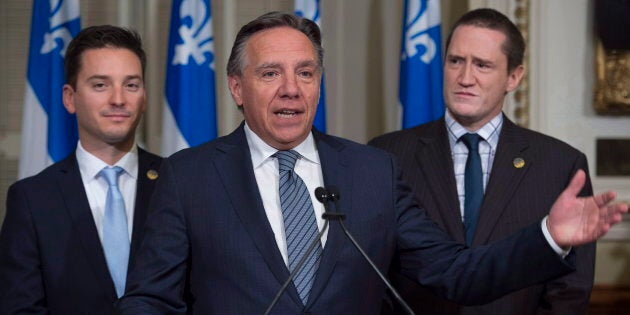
(299, 222)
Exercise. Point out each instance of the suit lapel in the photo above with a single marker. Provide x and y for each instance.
(434, 160)
(333, 165)
(234, 165)
(78, 208)
(144, 189)
(505, 179)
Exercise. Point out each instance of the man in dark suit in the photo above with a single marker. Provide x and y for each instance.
(524, 171)
(230, 218)
(67, 235)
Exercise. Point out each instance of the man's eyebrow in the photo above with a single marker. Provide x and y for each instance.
(277, 65)
(267, 65)
(474, 58)
(133, 77)
(106, 77)
(307, 63)
(482, 60)
(98, 77)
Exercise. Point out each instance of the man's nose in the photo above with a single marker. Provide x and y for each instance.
(466, 77)
(289, 87)
(117, 97)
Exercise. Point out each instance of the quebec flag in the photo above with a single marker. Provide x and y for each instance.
(49, 132)
(421, 63)
(310, 9)
(190, 102)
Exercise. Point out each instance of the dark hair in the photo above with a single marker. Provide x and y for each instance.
(513, 46)
(101, 36)
(267, 21)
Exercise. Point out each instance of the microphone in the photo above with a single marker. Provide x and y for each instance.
(320, 194)
(324, 196)
(332, 194)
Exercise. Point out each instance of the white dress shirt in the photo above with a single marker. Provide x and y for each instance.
(308, 167)
(96, 187)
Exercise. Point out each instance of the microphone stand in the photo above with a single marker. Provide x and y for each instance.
(339, 217)
(324, 196)
(302, 260)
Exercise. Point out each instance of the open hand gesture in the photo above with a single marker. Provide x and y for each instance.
(576, 220)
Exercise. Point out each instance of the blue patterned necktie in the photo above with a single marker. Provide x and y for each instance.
(299, 223)
(115, 233)
(473, 185)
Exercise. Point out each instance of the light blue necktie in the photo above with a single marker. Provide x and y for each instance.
(299, 223)
(473, 185)
(115, 234)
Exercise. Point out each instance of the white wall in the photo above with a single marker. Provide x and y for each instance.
(562, 80)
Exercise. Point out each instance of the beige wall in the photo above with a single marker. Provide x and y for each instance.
(362, 42)
(563, 77)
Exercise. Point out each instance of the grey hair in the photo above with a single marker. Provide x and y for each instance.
(270, 20)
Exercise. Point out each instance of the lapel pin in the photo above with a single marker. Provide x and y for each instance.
(152, 174)
(518, 162)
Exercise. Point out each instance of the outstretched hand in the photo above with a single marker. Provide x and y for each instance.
(576, 220)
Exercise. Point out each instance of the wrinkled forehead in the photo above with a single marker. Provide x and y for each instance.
(280, 45)
(468, 39)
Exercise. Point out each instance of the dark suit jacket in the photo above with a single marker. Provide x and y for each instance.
(208, 230)
(51, 259)
(514, 198)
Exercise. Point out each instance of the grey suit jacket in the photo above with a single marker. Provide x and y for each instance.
(514, 198)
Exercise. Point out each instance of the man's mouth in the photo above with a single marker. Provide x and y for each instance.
(463, 93)
(287, 113)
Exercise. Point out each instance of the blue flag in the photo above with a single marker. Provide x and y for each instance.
(310, 9)
(190, 99)
(421, 63)
(49, 132)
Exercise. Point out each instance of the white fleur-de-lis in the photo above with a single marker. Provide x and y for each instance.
(197, 38)
(61, 12)
(308, 9)
(419, 20)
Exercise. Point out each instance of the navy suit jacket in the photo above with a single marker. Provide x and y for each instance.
(514, 198)
(51, 259)
(208, 239)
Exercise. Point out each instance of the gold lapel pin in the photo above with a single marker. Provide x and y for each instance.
(152, 174)
(518, 162)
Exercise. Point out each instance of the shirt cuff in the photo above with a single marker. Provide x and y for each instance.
(556, 248)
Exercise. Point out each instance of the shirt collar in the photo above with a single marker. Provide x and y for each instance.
(90, 165)
(489, 132)
(261, 151)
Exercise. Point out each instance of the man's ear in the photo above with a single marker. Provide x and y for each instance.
(235, 86)
(68, 99)
(514, 78)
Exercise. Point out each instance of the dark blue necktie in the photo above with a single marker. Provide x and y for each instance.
(299, 223)
(115, 233)
(473, 185)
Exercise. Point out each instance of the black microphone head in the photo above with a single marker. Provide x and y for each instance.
(321, 194)
(333, 193)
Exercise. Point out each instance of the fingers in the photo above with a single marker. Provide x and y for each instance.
(604, 198)
(617, 211)
(576, 184)
(613, 214)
